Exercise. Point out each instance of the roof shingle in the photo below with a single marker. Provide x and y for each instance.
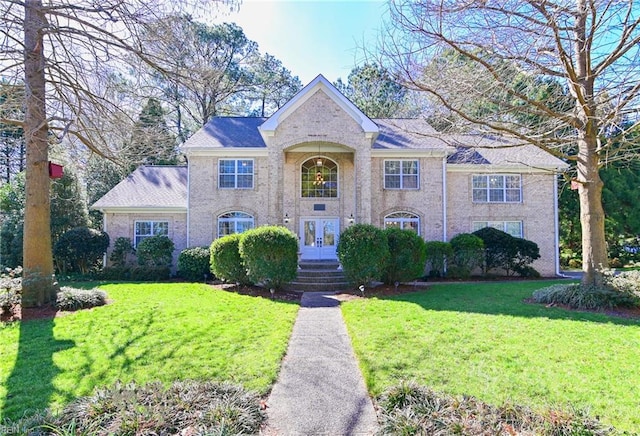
(149, 187)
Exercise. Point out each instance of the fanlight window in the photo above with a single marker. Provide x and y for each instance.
(403, 220)
(234, 222)
(319, 178)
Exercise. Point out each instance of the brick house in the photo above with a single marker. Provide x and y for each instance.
(319, 165)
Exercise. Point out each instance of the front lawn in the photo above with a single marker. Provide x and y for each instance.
(156, 331)
(481, 339)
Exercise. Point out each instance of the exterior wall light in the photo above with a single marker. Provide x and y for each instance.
(351, 219)
(286, 218)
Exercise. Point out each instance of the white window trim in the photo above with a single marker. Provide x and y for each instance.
(402, 175)
(236, 174)
(314, 159)
(498, 224)
(249, 218)
(153, 222)
(487, 190)
(414, 219)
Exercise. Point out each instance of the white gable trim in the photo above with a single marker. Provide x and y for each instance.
(269, 127)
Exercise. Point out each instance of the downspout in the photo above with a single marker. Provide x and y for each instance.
(444, 199)
(104, 229)
(556, 224)
(188, 203)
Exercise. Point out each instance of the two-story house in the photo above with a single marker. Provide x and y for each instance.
(319, 164)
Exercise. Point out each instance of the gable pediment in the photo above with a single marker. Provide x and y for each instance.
(319, 87)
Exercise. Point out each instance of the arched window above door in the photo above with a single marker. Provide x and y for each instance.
(319, 177)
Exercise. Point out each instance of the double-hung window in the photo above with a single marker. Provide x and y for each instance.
(146, 229)
(497, 188)
(401, 174)
(235, 173)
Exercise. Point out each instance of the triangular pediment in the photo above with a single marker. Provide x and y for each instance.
(320, 83)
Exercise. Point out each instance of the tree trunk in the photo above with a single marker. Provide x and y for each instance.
(37, 282)
(594, 245)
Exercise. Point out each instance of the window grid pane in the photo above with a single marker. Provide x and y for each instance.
(319, 181)
(235, 173)
(403, 220)
(401, 174)
(496, 188)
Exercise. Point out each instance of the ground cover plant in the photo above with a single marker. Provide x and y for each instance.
(183, 408)
(485, 340)
(158, 331)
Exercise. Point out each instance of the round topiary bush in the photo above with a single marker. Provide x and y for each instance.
(270, 254)
(155, 251)
(467, 255)
(80, 249)
(363, 251)
(225, 260)
(407, 255)
(194, 263)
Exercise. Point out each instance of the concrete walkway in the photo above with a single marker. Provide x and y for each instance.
(320, 390)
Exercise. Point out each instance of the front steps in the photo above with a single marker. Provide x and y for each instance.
(319, 275)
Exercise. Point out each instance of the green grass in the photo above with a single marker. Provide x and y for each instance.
(481, 339)
(150, 332)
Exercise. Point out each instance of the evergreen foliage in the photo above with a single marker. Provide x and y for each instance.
(80, 249)
(503, 251)
(407, 256)
(194, 263)
(155, 251)
(363, 252)
(226, 262)
(122, 252)
(438, 253)
(270, 254)
(467, 254)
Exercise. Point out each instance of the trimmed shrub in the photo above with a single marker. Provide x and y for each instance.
(363, 252)
(135, 273)
(194, 264)
(226, 262)
(498, 247)
(75, 299)
(407, 256)
(576, 296)
(503, 251)
(155, 251)
(270, 254)
(184, 408)
(523, 254)
(410, 409)
(80, 249)
(438, 253)
(467, 255)
(122, 252)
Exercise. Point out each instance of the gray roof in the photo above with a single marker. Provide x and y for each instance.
(239, 132)
(228, 132)
(406, 133)
(149, 187)
(490, 150)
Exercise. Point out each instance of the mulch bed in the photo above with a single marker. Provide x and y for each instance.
(44, 312)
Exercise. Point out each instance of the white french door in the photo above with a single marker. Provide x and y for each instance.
(319, 238)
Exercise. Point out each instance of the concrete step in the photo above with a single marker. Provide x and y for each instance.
(315, 287)
(319, 264)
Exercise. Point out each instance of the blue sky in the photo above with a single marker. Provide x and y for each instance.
(312, 37)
